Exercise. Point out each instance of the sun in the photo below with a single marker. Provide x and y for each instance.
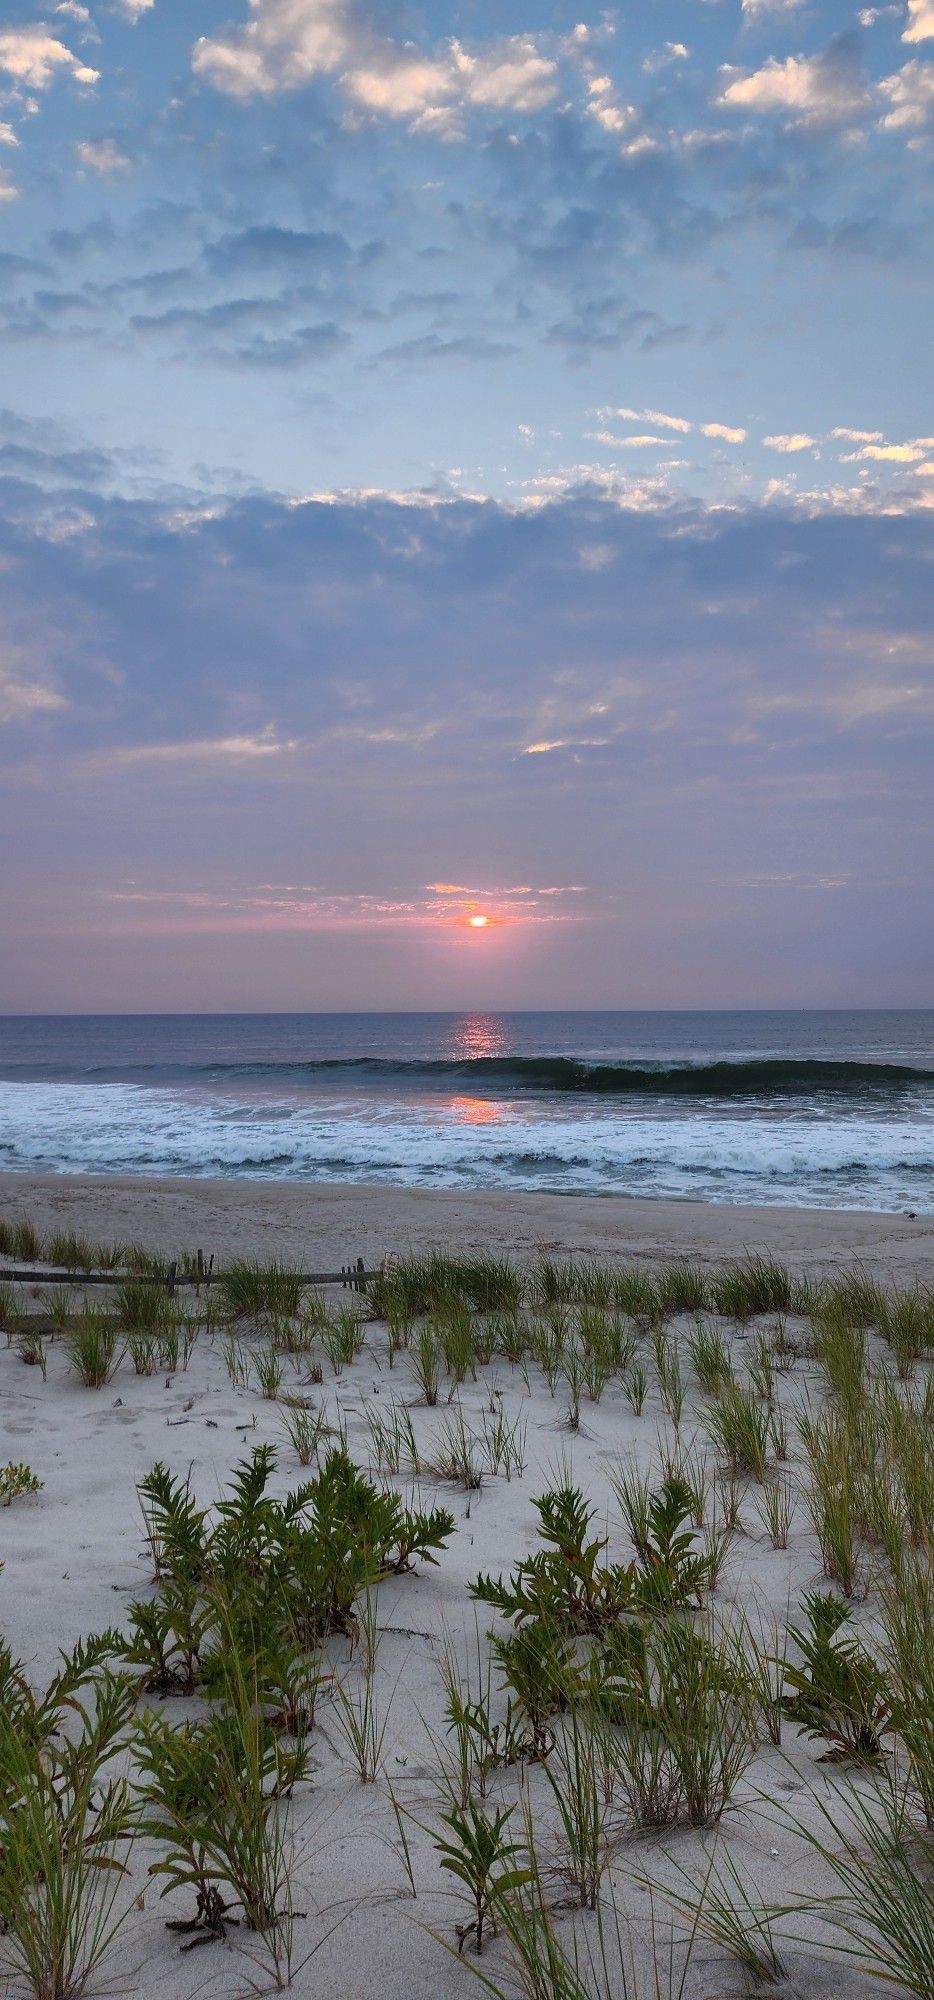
(478, 923)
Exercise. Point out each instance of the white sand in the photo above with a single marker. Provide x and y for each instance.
(74, 1555)
(321, 1226)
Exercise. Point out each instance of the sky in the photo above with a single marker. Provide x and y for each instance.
(466, 504)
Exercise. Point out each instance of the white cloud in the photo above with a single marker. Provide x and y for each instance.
(197, 750)
(607, 437)
(755, 7)
(731, 433)
(511, 75)
(789, 441)
(8, 188)
(920, 24)
(19, 698)
(75, 11)
(657, 417)
(671, 52)
(134, 9)
(823, 89)
(891, 454)
(909, 94)
(286, 43)
(32, 56)
(602, 105)
(7, 135)
(856, 437)
(102, 156)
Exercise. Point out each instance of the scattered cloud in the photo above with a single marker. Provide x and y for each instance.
(824, 89)
(892, 454)
(730, 433)
(102, 156)
(856, 437)
(789, 442)
(287, 43)
(34, 57)
(670, 52)
(909, 95)
(920, 23)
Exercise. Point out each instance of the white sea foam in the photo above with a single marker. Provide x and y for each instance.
(861, 1159)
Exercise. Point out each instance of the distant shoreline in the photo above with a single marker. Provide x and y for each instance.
(335, 1222)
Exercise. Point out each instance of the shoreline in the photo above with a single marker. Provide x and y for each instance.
(335, 1222)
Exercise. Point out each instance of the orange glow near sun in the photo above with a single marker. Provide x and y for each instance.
(478, 923)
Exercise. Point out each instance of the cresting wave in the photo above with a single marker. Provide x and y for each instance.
(760, 1077)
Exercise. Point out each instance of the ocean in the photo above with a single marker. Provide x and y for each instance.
(821, 1109)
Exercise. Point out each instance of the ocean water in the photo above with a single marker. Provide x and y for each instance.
(814, 1109)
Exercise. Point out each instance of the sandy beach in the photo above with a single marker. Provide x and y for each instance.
(74, 1559)
(323, 1227)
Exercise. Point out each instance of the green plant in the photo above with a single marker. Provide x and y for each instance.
(455, 1336)
(305, 1429)
(573, 1775)
(362, 1724)
(252, 1290)
(92, 1348)
(25, 1241)
(759, 1285)
(538, 1665)
(683, 1712)
(635, 1383)
(143, 1350)
(505, 1441)
(739, 1425)
(214, 1795)
(16, 1480)
(838, 1692)
(833, 1495)
(455, 1453)
(478, 1854)
(65, 1820)
(424, 1356)
(71, 1252)
(31, 1349)
(710, 1359)
(907, 1323)
(720, 1907)
(882, 1914)
(776, 1506)
(268, 1371)
(143, 1306)
(9, 1310)
(236, 1362)
(565, 1583)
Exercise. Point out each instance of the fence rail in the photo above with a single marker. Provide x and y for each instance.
(353, 1277)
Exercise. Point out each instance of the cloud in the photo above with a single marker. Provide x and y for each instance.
(909, 94)
(8, 188)
(892, 454)
(33, 57)
(287, 43)
(135, 9)
(657, 417)
(102, 156)
(788, 442)
(671, 52)
(825, 89)
(731, 433)
(204, 750)
(920, 24)
(856, 437)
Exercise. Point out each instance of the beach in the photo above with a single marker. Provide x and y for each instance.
(75, 1554)
(324, 1227)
